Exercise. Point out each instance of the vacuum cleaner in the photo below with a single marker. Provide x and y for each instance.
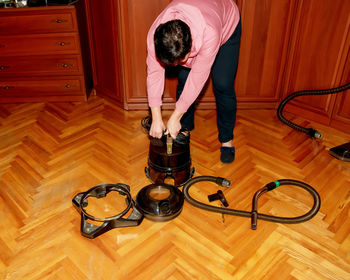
(162, 202)
(170, 159)
(162, 209)
(341, 152)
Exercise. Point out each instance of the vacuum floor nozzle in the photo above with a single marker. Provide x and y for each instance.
(341, 152)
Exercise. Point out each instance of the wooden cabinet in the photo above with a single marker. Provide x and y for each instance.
(286, 46)
(318, 58)
(40, 55)
(264, 46)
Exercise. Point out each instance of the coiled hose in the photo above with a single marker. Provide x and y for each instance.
(309, 131)
(254, 215)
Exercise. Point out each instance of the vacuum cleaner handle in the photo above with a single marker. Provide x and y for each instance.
(146, 125)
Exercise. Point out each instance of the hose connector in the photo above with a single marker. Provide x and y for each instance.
(271, 186)
(254, 220)
(223, 182)
(313, 133)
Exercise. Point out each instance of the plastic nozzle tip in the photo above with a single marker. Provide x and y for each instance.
(226, 183)
(318, 135)
(223, 182)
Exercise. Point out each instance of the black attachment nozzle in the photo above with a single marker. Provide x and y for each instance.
(219, 195)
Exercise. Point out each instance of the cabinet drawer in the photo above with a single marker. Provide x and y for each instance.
(39, 44)
(36, 22)
(41, 87)
(40, 65)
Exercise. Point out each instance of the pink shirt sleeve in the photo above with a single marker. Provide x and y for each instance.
(200, 71)
(155, 76)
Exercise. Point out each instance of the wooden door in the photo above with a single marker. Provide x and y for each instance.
(341, 112)
(317, 55)
(104, 44)
(136, 17)
(266, 28)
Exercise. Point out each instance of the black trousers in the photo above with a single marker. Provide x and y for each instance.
(223, 74)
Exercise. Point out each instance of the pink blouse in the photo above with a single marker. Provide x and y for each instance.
(211, 22)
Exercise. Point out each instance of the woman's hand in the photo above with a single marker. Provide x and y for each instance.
(174, 125)
(157, 126)
(157, 129)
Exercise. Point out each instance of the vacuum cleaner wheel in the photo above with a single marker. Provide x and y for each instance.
(160, 202)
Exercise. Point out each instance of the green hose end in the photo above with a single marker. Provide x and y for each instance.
(271, 186)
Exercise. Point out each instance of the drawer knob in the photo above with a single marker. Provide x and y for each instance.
(60, 20)
(7, 87)
(62, 43)
(68, 86)
(65, 65)
(3, 67)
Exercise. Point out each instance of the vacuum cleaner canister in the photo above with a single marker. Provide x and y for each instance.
(169, 159)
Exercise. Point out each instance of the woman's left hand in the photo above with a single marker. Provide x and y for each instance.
(174, 125)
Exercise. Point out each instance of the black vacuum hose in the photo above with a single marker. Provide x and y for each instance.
(309, 131)
(254, 215)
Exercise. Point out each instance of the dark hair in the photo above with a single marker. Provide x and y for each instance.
(172, 41)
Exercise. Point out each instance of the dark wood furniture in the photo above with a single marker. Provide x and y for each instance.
(40, 55)
(286, 46)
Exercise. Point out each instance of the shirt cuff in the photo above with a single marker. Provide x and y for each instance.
(154, 103)
(182, 107)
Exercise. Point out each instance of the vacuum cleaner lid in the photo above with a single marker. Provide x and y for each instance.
(160, 202)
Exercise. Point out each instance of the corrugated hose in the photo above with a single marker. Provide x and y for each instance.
(254, 215)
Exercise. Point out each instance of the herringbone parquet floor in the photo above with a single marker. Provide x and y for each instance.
(51, 151)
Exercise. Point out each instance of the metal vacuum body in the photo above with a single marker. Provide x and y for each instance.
(169, 159)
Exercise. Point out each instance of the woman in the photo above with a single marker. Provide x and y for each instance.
(199, 37)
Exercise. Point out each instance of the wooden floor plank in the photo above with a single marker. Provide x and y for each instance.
(49, 152)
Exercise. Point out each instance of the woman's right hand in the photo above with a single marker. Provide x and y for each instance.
(157, 128)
